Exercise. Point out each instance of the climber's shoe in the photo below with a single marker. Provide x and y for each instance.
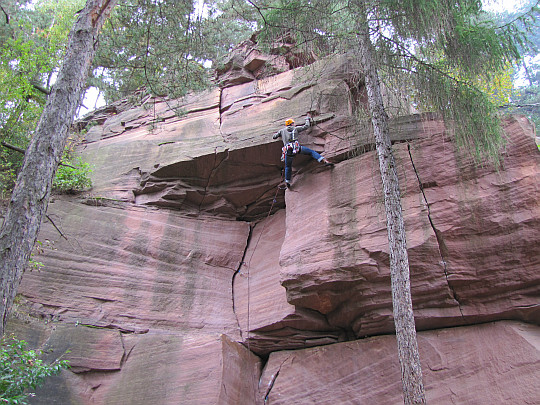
(327, 163)
(288, 184)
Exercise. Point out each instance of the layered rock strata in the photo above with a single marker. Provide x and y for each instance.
(186, 260)
(484, 364)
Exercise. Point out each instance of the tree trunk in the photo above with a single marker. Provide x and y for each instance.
(409, 359)
(31, 193)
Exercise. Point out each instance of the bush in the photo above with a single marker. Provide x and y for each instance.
(72, 176)
(21, 369)
(8, 176)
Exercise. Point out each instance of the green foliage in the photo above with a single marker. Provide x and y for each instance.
(72, 175)
(32, 43)
(21, 370)
(30, 55)
(460, 71)
(8, 174)
(38, 249)
(35, 265)
(526, 98)
(465, 108)
(319, 27)
(163, 46)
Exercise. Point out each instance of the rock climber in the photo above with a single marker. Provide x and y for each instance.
(291, 146)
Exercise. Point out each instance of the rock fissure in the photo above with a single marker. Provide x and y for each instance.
(273, 380)
(212, 173)
(220, 106)
(270, 386)
(440, 241)
(277, 203)
(242, 263)
(126, 354)
(112, 326)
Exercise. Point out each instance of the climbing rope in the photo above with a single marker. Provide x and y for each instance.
(248, 263)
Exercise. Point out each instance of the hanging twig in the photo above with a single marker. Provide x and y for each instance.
(6, 14)
(53, 224)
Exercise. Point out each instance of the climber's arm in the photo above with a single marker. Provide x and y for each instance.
(306, 125)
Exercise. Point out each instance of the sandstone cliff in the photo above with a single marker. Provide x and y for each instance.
(187, 275)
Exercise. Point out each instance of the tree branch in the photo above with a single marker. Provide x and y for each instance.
(15, 148)
(20, 150)
(40, 88)
(520, 105)
(529, 13)
(6, 14)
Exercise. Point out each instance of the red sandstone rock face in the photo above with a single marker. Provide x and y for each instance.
(266, 319)
(185, 248)
(109, 367)
(339, 266)
(484, 364)
(334, 251)
(137, 270)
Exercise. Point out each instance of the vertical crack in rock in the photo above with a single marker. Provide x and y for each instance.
(443, 250)
(219, 109)
(220, 112)
(273, 380)
(242, 262)
(212, 172)
(126, 353)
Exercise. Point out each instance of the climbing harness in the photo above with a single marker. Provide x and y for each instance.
(291, 149)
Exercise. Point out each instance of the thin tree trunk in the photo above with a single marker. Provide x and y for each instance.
(409, 359)
(30, 196)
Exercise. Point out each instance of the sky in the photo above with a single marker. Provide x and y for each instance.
(500, 5)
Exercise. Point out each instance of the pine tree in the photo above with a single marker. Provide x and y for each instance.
(164, 46)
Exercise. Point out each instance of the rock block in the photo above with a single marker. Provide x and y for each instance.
(137, 269)
(240, 374)
(75, 342)
(471, 237)
(267, 321)
(483, 364)
(174, 369)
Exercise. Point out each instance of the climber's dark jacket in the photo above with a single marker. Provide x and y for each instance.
(290, 133)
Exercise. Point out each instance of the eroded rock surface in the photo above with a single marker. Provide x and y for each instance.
(136, 269)
(484, 364)
(161, 367)
(186, 257)
(333, 261)
(334, 258)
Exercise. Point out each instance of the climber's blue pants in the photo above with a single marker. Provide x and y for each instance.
(289, 159)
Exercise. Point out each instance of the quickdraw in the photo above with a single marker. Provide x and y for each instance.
(291, 149)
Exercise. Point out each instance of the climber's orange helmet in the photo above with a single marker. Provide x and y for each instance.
(290, 121)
